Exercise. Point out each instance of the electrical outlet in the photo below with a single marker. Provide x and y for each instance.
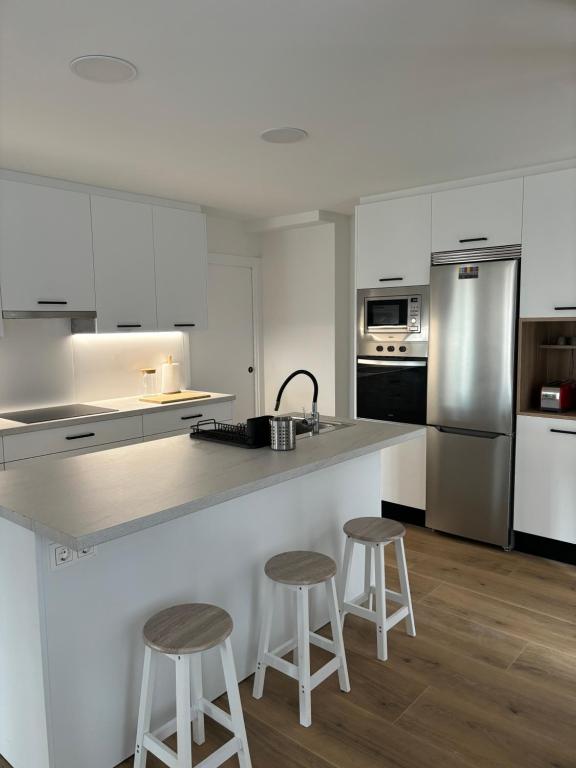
(62, 555)
(86, 552)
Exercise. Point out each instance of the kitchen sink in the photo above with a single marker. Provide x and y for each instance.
(304, 427)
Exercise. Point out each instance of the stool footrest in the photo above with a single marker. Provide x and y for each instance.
(160, 750)
(223, 753)
(359, 610)
(216, 713)
(396, 617)
(320, 675)
(322, 642)
(271, 660)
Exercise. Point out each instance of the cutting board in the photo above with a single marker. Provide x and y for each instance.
(176, 397)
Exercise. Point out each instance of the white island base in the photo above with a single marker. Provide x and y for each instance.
(70, 638)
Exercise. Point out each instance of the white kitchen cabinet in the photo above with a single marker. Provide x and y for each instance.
(46, 248)
(26, 445)
(482, 216)
(181, 258)
(393, 242)
(123, 265)
(545, 487)
(181, 419)
(548, 280)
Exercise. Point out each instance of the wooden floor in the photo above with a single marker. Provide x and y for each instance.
(489, 681)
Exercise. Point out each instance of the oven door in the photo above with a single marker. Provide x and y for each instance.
(391, 390)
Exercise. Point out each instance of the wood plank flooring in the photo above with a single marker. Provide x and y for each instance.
(488, 682)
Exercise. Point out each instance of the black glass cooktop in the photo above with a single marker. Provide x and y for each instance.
(55, 413)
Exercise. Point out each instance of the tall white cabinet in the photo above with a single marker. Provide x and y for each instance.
(123, 265)
(548, 286)
(45, 248)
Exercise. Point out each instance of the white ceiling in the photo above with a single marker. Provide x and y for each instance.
(394, 94)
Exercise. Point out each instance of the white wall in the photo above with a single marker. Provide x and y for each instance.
(298, 307)
(228, 235)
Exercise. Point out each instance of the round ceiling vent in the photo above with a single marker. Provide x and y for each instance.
(284, 135)
(103, 69)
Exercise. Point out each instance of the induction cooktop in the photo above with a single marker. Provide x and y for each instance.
(55, 413)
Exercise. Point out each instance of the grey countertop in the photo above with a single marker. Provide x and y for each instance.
(122, 407)
(94, 498)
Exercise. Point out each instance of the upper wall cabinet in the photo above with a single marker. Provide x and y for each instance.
(548, 283)
(46, 248)
(181, 257)
(477, 217)
(393, 242)
(123, 265)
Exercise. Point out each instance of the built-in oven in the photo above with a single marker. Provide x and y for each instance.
(392, 354)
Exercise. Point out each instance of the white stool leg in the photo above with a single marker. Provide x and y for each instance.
(234, 702)
(405, 585)
(368, 575)
(197, 694)
(337, 635)
(264, 643)
(145, 710)
(380, 594)
(183, 711)
(345, 576)
(304, 657)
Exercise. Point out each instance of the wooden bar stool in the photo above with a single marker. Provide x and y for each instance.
(181, 633)
(300, 572)
(374, 534)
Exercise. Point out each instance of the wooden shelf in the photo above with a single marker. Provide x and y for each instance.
(568, 415)
(557, 346)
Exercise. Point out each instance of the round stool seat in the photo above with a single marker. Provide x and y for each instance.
(187, 628)
(374, 530)
(300, 568)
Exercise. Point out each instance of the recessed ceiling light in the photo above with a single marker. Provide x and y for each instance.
(103, 69)
(284, 135)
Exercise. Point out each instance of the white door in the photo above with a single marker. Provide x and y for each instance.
(180, 253)
(123, 265)
(46, 248)
(222, 356)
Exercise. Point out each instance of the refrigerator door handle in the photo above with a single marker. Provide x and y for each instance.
(467, 432)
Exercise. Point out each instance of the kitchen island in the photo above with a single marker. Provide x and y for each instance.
(144, 527)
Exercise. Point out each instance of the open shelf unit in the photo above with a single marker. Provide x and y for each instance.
(541, 360)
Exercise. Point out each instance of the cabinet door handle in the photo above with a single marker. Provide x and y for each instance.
(473, 240)
(194, 416)
(79, 437)
(561, 308)
(45, 301)
(184, 325)
(564, 431)
(128, 325)
(389, 279)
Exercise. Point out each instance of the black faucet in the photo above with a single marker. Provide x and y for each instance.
(315, 416)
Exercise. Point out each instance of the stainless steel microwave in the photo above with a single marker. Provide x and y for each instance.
(391, 314)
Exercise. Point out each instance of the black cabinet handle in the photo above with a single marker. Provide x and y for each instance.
(44, 301)
(194, 416)
(184, 325)
(473, 240)
(250, 369)
(389, 279)
(79, 437)
(564, 431)
(561, 308)
(128, 325)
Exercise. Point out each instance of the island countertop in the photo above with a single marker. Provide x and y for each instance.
(86, 500)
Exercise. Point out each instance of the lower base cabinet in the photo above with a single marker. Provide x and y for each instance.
(545, 487)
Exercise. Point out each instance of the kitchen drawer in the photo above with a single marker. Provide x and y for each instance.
(67, 454)
(545, 488)
(43, 442)
(182, 418)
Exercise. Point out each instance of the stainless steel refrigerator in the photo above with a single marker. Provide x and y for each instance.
(471, 371)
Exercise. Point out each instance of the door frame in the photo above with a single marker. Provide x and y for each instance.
(255, 266)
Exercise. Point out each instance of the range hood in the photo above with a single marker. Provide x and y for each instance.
(80, 321)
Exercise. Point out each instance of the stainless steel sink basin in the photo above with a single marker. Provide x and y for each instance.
(304, 429)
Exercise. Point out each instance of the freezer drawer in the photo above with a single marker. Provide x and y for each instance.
(468, 489)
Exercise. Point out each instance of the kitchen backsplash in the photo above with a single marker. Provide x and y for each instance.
(42, 364)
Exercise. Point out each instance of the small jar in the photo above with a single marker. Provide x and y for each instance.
(148, 385)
